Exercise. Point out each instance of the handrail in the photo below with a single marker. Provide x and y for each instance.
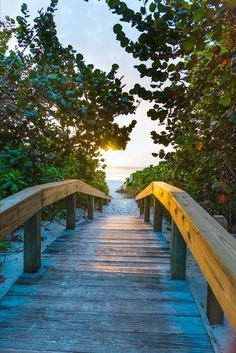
(18, 208)
(24, 208)
(15, 210)
(212, 246)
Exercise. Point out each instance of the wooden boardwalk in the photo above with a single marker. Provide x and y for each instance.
(103, 288)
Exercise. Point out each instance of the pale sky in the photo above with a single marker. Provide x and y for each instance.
(87, 26)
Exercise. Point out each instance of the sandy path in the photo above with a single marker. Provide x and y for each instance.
(120, 205)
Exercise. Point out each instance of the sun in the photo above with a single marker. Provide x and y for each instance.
(109, 149)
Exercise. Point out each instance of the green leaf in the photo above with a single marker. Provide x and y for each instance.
(143, 10)
(115, 67)
(113, 3)
(225, 101)
(199, 14)
(53, 76)
(152, 7)
(161, 154)
(24, 8)
(188, 44)
(117, 28)
(79, 57)
(171, 67)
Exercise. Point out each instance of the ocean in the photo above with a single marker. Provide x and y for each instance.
(120, 173)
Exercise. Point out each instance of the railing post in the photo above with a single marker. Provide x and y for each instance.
(71, 211)
(214, 312)
(141, 206)
(100, 205)
(32, 243)
(147, 208)
(158, 215)
(90, 206)
(177, 254)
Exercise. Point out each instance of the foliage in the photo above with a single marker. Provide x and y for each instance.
(188, 51)
(56, 111)
(5, 245)
(142, 178)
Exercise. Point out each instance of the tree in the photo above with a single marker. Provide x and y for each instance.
(55, 109)
(187, 49)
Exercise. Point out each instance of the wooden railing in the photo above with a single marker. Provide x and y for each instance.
(212, 246)
(25, 206)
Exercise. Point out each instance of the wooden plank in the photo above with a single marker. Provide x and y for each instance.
(158, 215)
(178, 254)
(96, 342)
(103, 322)
(18, 208)
(146, 192)
(90, 302)
(90, 190)
(71, 211)
(141, 206)
(214, 312)
(95, 293)
(90, 207)
(211, 245)
(32, 244)
(147, 209)
(100, 204)
(102, 305)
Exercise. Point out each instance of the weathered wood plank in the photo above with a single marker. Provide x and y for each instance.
(83, 300)
(178, 254)
(102, 323)
(32, 243)
(18, 208)
(70, 211)
(114, 342)
(214, 312)
(90, 207)
(157, 216)
(147, 204)
(141, 206)
(96, 293)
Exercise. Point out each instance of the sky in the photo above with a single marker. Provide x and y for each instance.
(88, 27)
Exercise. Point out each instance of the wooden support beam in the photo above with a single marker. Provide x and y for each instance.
(141, 206)
(214, 312)
(32, 243)
(71, 211)
(158, 215)
(177, 254)
(147, 209)
(90, 206)
(100, 205)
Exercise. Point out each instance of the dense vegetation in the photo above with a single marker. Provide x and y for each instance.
(188, 50)
(56, 112)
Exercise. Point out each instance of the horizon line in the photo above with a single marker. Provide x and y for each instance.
(125, 167)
